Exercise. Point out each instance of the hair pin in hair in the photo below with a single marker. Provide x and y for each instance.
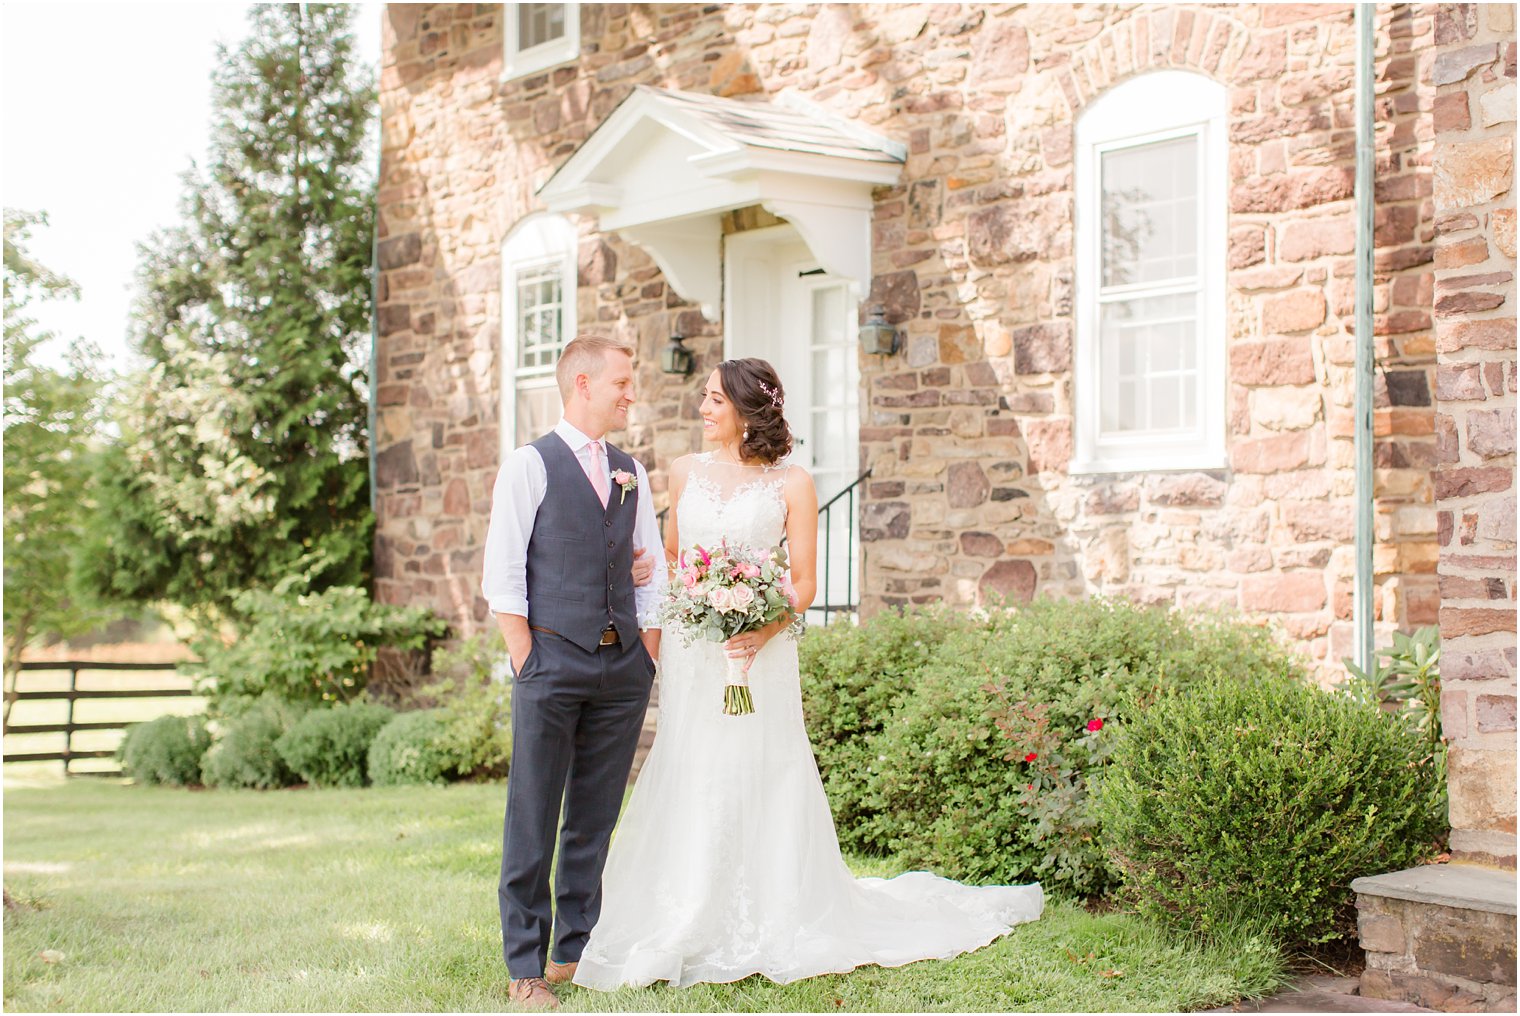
(774, 394)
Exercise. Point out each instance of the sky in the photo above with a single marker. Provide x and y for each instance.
(102, 108)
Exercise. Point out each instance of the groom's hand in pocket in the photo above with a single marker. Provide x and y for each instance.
(643, 566)
(519, 638)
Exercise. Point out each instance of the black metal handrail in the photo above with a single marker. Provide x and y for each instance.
(825, 520)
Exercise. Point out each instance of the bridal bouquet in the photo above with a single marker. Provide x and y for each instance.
(726, 592)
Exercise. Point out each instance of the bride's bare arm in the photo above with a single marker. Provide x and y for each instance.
(678, 470)
(802, 556)
(802, 535)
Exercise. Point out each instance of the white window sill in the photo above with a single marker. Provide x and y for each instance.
(1190, 463)
(541, 58)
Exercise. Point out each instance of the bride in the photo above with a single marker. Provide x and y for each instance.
(725, 863)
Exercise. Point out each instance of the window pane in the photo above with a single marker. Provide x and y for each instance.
(1150, 212)
(833, 440)
(538, 410)
(831, 374)
(1148, 364)
(828, 315)
(538, 24)
(540, 319)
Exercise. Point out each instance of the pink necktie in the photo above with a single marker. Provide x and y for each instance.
(596, 473)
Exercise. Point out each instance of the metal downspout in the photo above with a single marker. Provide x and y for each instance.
(374, 302)
(1362, 602)
(374, 342)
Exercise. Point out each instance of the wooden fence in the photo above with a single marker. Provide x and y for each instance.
(72, 694)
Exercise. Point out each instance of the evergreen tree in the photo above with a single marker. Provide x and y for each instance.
(51, 418)
(243, 455)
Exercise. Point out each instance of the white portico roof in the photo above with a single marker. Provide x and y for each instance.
(664, 166)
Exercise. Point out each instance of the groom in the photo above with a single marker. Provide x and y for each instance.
(569, 513)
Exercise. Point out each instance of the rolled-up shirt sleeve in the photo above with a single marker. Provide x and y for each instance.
(519, 490)
(647, 599)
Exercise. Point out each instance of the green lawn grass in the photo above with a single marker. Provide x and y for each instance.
(137, 898)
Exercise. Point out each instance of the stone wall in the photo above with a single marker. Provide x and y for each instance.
(969, 430)
(1475, 423)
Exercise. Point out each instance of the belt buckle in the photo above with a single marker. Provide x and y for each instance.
(609, 637)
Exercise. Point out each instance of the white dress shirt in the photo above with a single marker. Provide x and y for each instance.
(520, 488)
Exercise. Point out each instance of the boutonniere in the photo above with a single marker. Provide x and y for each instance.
(626, 480)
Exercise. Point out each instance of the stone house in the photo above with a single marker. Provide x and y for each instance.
(1111, 247)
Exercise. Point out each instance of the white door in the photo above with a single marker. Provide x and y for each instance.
(782, 307)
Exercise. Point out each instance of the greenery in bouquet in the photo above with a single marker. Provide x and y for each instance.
(725, 592)
(728, 591)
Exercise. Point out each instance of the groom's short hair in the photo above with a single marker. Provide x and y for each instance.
(585, 354)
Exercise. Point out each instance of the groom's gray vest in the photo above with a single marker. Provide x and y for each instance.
(580, 556)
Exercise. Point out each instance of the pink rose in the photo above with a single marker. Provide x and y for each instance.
(751, 571)
(742, 596)
(721, 600)
(689, 579)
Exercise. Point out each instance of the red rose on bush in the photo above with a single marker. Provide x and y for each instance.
(1095, 724)
(1031, 757)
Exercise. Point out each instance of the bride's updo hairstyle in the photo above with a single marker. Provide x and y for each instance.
(754, 389)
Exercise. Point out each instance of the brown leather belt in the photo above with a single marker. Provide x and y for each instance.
(609, 635)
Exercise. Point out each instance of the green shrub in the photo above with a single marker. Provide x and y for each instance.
(167, 750)
(853, 677)
(473, 695)
(933, 735)
(1265, 799)
(308, 648)
(244, 753)
(330, 747)
(410, 750)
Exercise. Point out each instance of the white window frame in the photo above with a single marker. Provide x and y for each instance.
(1158, 106)
(538, 241)
(518, 63)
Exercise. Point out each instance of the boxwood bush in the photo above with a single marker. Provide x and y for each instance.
(473, 693)
(330, 747)
(244, 752)
(1263, 800)
(964, 743)
(167, 750)
(854, 677)
(411, 749)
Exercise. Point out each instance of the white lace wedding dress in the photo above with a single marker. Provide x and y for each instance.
(725, 862)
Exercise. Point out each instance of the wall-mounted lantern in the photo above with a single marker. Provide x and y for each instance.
(676, 358)
(876, 336)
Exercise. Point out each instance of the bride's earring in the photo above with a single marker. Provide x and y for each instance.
(746, 435)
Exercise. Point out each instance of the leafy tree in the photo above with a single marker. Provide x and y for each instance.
(243, 445)
(51, 416)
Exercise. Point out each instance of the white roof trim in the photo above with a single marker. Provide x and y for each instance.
(665, 165)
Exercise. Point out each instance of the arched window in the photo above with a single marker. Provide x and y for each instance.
(538, 266)
(1151, 205)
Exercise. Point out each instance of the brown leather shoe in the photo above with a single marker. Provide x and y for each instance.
(560, 973)
(532, 993)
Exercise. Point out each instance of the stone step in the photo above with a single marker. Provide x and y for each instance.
(1321, 994)
(1440, 935)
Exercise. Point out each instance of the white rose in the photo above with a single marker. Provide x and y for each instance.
(721, 599)
(742, 596)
